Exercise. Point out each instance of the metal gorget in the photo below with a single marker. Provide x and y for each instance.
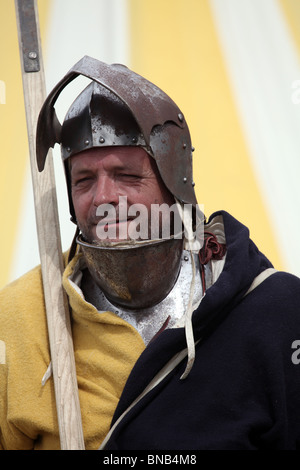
(134, 275)
(148, 321)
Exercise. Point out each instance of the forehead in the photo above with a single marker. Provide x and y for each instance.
(124, 156)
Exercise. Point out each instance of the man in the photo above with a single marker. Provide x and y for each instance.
(176, 347)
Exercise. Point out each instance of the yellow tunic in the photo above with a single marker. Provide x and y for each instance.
(106, 348)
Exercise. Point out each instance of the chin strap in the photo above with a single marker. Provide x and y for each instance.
(187, 220)
(211, 250)
(188, 324)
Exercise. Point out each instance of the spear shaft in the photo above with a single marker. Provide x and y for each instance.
(49, 240)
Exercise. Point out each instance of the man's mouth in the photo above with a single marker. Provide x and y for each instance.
(104, 222)
(113, 229)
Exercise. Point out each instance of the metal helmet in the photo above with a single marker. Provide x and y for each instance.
(120, 107)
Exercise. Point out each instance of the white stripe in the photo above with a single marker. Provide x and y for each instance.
(2, 92)
(263, 65)
(260, 278)
(2, 352)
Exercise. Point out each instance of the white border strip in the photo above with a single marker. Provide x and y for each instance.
(263, 66)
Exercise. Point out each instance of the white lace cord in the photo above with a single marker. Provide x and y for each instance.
(187, 221)
(47, 374)
(188, 325)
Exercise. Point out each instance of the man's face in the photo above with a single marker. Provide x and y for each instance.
(108, 175)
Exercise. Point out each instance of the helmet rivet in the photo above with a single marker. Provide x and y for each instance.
(68, 149)
(184, 179)
(134, 140)
(193, 149)
(32, 55)
(86, 142)
(186, 258)
(184, 146)
(180, 117)
(193, 183)
(101, 140)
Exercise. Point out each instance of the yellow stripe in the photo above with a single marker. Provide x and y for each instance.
(13, 144)
(174, 44)
(291, 10)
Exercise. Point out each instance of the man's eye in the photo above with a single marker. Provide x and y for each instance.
(129, 176)
(82, 180)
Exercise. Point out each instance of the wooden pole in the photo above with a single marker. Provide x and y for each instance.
(46, 212)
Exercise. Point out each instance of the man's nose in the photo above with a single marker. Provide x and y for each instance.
(105, 191)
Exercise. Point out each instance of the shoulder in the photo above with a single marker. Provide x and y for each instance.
(26, 290)
(271, 312)
(280, 287)
(22, 303)
(23, 325)
(26, 287)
